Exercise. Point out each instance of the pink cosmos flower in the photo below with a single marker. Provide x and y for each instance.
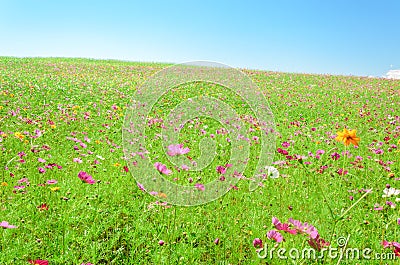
(52, 181)
(285, 144)
(275, 235)
(41, 160)
(283, 227)
(141, 187)
(177, 149)
(41, 170)
(6, 225)
(199, 186)
(222, 169)
(162, 168)
(317, 242)
(77, 160)
(85, 177)
(257, 243)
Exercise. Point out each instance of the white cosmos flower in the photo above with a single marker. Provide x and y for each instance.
(272, 172)
(390, 192)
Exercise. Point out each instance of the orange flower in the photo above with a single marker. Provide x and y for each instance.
(348, 137)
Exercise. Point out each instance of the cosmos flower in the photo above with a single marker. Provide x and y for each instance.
(272, 172)
(85, 177)
(348, 137)
(6, 225)
(275, 235)
(177, 149)
(162, 168)
(257, 243)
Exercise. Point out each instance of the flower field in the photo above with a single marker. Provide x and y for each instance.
(68, 194)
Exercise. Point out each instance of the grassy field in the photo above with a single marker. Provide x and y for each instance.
(62, 117)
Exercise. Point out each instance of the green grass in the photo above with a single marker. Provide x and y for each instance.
(114, 222)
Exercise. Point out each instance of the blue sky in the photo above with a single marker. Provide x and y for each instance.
(336, 37)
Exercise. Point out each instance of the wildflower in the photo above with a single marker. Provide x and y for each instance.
(335, 156)
(318, 243)
(19, 135)
(43, 207)
(389, 192)
(41, 170)
(161, 242)
(6, 225)
(199, 186)
(283, 227)
(54, 189)
(52, 181)
(141, 187)
(342, 172)
(285, 144)
(85, 177)
(126, 169)
(216, 241)
(275, 235)
(19, 187)
(77, 160)
(348, 137)
(222, 169)
(177, 150)
(41, 160)
(117, 164)
(162, 168)
(272, 172)
(257, 243)
(4, 184)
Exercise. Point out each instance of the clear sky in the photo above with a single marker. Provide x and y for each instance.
(350, 37)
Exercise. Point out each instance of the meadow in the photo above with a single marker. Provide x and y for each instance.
(68, 195)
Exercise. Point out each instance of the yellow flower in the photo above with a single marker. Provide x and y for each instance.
(348, 137)
(1, 107)
(4, 184)
(97, 142)
(55, 188)
(117, 164)
(4, 135)
(19, 135)
(53, 126)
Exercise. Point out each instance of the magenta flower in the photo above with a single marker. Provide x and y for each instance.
(177, 149)
(161, 242)
(216, 241)
(257, 243)
(285, 144)
(77, 160)
(275, 235)
(335, 156)
(303, 228)
(222, 169)
(41, 160)
(162, 168)
(141, 187)
(6, 225)
(19, 187)
(199, 186)
(317, 242)
(41, 170)
(52, 181)
(283, 227)
(85, 177)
